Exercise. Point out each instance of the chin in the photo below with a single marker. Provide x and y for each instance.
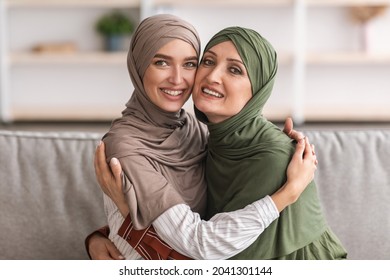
(205, 108)
(173, 109)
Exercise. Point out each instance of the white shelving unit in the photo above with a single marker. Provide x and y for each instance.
(354, 99)
(307, 69)
(93, 58)
(88, 59)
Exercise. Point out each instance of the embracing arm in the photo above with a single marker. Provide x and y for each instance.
(300, 172)
(221, 237)
(99, 247)
(228, 233)
(285, 196)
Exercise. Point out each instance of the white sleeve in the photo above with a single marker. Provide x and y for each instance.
(223, 236)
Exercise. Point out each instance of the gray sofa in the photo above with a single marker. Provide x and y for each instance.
(50, 200)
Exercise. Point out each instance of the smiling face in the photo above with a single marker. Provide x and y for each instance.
(222, 85)
(169, 78)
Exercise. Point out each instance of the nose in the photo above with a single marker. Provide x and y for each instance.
(176, 75)
(214, 75)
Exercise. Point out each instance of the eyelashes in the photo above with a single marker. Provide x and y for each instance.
(165, 63)
(232, 68)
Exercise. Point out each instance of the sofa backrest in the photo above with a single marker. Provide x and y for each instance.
(353, 178)
(49, 197)
(50, 200)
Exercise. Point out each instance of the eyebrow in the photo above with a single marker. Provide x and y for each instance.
(228, 59)
(158, 55)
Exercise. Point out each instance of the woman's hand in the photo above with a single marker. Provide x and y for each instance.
(289, 130)
(110, 178)
(300, 172)
(101, 248)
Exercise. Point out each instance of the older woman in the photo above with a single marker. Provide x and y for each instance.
(234, 80)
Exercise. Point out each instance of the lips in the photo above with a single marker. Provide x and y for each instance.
(212, 92)
(172, 92)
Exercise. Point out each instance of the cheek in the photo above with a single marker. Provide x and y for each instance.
(247, 95)
(200, 74)
(242, 94)
(246, 98)
(149, 87)
(190, 78)
(148, 79)
(196, 83)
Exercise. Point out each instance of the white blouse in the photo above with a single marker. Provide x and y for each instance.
(223, 236)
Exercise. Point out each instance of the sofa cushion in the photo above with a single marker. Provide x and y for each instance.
(49, 197)
(353, 178)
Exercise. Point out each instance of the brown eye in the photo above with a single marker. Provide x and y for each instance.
(191, 64)
(207, 62)
(160, 63)
(235, 70)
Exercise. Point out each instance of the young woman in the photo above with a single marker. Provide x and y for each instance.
(162, 151)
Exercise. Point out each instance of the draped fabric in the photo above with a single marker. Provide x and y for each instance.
(162, 153)
(248, 157)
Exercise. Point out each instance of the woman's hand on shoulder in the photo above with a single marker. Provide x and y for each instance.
(290, 131)
(300, 172)
(110, 178)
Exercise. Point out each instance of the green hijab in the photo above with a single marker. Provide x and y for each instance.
(248, 157)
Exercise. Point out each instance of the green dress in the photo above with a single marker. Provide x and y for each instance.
(248, 158)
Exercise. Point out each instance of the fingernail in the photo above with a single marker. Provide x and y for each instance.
(114, 161)
(302, 141)
(121, 257)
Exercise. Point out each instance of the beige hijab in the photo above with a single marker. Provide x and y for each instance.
(174, 144)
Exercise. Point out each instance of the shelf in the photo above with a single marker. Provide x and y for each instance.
(224, 3)
(74, 3)
(348, 58)
(343, 113)
(24, 58)
(249, 3)
(64, 114)
(19, 58)
(336, 113)
(284, 58)
(333, 3)
(277, 113)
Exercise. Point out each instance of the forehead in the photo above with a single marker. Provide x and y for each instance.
(177, 48)
(225, 49)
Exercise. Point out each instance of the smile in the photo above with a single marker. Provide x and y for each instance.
(172, 92)
(212, 93)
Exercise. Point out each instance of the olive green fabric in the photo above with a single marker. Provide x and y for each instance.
(327, 247)
(248, 157)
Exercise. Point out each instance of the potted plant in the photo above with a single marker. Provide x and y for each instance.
(114, 27)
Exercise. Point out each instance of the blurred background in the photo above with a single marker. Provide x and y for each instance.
(58, 70)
